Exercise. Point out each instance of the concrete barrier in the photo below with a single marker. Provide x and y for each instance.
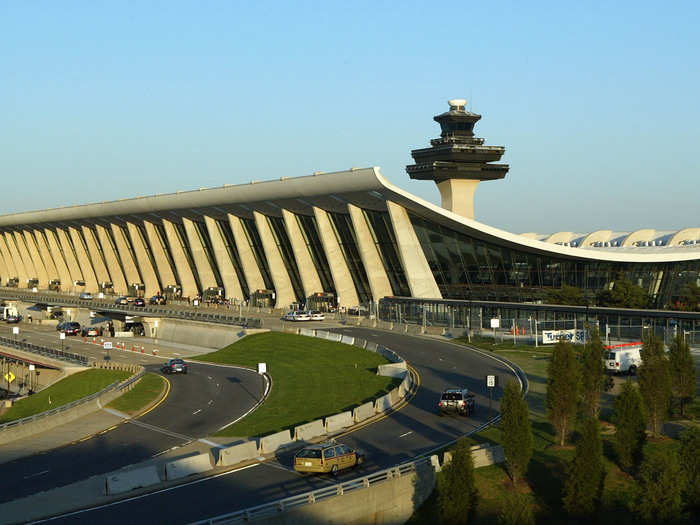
(394, 396)
(271, 443)
(364, 411)
(124, 481)
(322, 334)
(393, 369)
(348, 340)
(372, 347)
(309, 431)
(307, 332)
(339, 421)
(382, 404)
(484, 456)
(242, 452)
(183, 467)
(361, 343)
(334, 337)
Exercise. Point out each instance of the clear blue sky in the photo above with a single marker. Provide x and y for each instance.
(596, 104)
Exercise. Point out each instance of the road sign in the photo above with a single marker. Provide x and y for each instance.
(15, 330)
(10, 377)
(495, 322)
(107, 345)
(31, 367)
(490, 381)
(62, 336)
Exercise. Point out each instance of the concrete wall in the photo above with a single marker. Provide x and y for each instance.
(194, 333)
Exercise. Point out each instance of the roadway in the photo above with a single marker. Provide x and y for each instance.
(411, 431)
(199, 403)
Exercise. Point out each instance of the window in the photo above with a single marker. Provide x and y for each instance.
(329, 453)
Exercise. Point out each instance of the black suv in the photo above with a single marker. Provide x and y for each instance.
(456, 401)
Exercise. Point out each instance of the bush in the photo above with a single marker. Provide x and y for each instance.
(655, 382)
(690, 462)
(661, 482)
(457, 494)
(562, 389)
(516, 509)
(517, 433)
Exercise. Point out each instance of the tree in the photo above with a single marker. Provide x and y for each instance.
(566, 295)
(690, 462)
(457, 494)
(654, 378)
(517, 433)
(630, 423)
(624, 294)
(562, 389)
(584, 482)
(592, 374)
(683, 380)
(661, 483)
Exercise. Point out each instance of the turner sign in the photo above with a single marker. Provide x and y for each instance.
(573, 336)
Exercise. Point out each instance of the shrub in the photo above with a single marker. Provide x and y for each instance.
(584, 482)
(457, 494)
(516, 509)
(517, 432)
(630, 422)
(562, 389)
(661, 482)
(690, 462)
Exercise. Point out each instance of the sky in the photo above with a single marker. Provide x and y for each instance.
(595, 103)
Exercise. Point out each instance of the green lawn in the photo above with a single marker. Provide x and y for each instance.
(311, 378)
(146, 391)
(66, 390)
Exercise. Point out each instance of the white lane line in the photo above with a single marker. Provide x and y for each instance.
(141, 424)
(176, 353)
(211, 443)
(37, 474)
(406, 433)
(210, 402)
(196, 411)
(142, 496)
(210, 378)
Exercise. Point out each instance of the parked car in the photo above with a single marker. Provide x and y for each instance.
(327, 457)
(139, 301)
(86, 296)
(297, 316)
(122, 301)
(174, 366)
(91, 331)
(456, 401)
(69, 327)
(316, 315)
(157, 299)
(13, 319)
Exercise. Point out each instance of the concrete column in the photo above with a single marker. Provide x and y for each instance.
(201, 261)
(232, 286)
(344, 285)
(307, 271)
(60, 261)
(9, 262)
(250, 266)
(45, 255)
(4, 271)
(39, 265)
(98, 263)
(112, 261)
(376, 273)
(167, 277)
(71, 260)
(187, 280)
(458, 196)
(420, 279)
(284, 293)
(22, 271)
(84, 261)
(131, 272)
(32, 272)
(150, 279)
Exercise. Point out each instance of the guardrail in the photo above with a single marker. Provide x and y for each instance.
(161, 311)
(36, 417)
(273, 508)
(45, 351)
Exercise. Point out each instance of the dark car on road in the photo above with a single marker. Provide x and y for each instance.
(13, 319)
(157, 299)
(456, 401)
(69, 327)
(174, 366)
(139, 302)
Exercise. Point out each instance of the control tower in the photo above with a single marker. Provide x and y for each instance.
(457, 161)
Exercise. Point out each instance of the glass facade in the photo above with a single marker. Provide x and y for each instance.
(285, 248)
(208, 248)
(255, 242)
(309, 230)
(230, 244)
(471, 268)
(162, 239)
(182, 239)
(383, 235)
(342, 225)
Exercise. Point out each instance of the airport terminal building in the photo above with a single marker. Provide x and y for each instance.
(347, 238)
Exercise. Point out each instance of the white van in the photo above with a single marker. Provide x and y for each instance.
(7, 311)
(624, 358)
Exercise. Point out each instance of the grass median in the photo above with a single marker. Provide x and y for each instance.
(67, 390)
(312, 378)
(146, 392)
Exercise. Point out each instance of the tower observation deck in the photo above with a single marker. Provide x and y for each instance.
(457, 161)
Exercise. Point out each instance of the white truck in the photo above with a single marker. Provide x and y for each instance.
(7, 311)
(624, 358)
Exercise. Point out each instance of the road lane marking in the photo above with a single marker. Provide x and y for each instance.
(406, 433)
(210, 402)
(37, 474)
(210, 378)
(196, 411)
(161, 430)
(211, 443)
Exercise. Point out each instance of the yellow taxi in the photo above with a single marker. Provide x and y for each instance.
(327, 457)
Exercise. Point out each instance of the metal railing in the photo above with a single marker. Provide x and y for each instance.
(107, 306)
(45, 351)
(114, 386)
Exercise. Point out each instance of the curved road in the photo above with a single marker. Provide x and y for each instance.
(413, 430)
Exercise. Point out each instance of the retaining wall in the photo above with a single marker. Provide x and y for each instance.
(237, 453)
